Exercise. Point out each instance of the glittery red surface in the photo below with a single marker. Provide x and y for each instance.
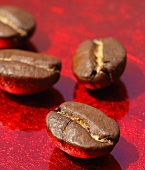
(61, 26)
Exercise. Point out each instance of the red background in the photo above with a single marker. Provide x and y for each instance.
(61, 26)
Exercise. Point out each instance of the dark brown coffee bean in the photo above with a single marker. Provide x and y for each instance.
(82, 130)
(23, 72)
(98, 63)
(16, 26)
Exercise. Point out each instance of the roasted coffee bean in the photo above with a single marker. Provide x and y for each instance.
(98, 63)
(16, 26)
(23, 72)
(82, 130)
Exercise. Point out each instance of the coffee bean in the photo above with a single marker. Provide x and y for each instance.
(16, 26)
(98, 63)
(82, 130)
(23, 72)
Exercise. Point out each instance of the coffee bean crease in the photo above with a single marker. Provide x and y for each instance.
(83, 124)
(98, 52)
(30, 63)
(99, 58)
(5, 20)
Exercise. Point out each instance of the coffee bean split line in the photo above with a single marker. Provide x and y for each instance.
(29, 63)
(82, 124)
(98, 53)
(7, 21)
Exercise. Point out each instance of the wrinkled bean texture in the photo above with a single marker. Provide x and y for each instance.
(24, 72)
(98, 63)
(16, 26)
(82, 130)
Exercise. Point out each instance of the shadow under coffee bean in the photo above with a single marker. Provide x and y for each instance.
(61, 160)
(28, 113)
